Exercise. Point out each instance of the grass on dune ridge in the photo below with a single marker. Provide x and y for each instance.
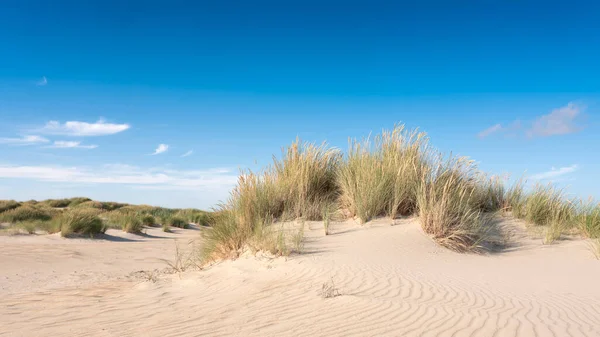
(80, 216)
(394, 173)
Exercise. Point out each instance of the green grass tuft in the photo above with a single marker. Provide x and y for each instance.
(80, 222)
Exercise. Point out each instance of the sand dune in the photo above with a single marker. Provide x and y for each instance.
(392, 280)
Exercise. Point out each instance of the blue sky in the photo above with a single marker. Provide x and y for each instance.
(90, 90)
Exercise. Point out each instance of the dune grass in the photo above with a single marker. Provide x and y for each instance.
(588, 219)
(451, 204)
(26, 213)
(177, 221)
(299, 185)
(383, 177)
(77, 216)
(148, 220)
(80, 222)
(395, 173)
(7, 205)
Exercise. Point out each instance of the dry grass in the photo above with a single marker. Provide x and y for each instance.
(7, 205)
(449, 206)
(329, 290)
(80, 222)
(300, 184)
(546, 207)
(27, 213)
(383, 176)
(305, 176)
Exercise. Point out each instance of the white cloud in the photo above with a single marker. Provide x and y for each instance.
(554, 172)
(187, 154)
(489, 131)
(154, 178)
(161, 149)
(560, 121)
(75, 128)
(25, 140)
(42, 82)
(61, 144)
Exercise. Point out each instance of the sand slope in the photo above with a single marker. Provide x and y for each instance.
(392, 281)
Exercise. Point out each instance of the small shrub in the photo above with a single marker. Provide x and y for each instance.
(166, 228)
(80, 222)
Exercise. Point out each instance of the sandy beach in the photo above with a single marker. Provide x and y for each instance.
(385, 278)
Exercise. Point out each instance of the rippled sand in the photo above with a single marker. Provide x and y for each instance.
(392, 280)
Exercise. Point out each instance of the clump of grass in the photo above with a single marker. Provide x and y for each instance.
(589, 220)
(193, 216)
(514, 199)
(58, 203)
(166, 228)
(7, 205)
(299, 185)
(383, 177)
(33, 226)
(179, 222)
(148, 220)
(298, 239)
(78, 200)
(546, 205)
(329, 290)
(131, 224)
(306, 177)
(595, 247)
(106, 206)
(81, 223)
(26, 213)
(326, 220)
(125, 219)
(446, 207)
(29, 226)
(488, 193)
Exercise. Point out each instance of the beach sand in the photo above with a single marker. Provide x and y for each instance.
(385, 278)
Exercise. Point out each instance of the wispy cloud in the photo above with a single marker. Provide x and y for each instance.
(187, 154)
(61, 144)
(153, 178)
(76, 128)
(490, 130)
(42, 82)
(561, 121)
(555, 173)
(161, 149)
(25, 140)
